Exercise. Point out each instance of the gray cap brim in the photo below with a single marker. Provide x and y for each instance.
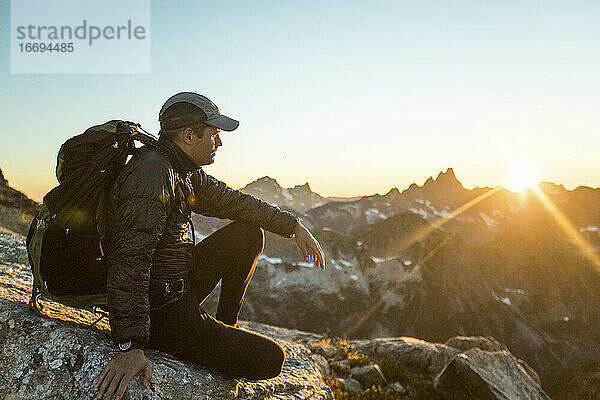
(224, 123)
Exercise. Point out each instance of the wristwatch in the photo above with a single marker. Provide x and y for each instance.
(126, 346)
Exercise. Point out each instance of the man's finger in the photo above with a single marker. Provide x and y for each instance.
(302, 247)
(320, 248)
(105, 383)
(123, 386)
(147, 374)
(320, 254)
(101, 377)
(316, 254)
(113, 386)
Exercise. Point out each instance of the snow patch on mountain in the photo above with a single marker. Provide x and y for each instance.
(271, 260)
(373, 215)
(505, 300)
(337, 265)
(280, 281)
(511, 290)
(345, 263)
(442, 213)
(379, 260)
(419, 211)
(488, 221)
(287, 195)
(306, 264)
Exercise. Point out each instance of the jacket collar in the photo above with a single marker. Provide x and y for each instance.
(181, 162)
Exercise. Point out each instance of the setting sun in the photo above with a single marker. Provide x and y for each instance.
(521, 176)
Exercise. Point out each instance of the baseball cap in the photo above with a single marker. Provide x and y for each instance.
(210, 114)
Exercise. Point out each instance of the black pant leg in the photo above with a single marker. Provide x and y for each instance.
(230, 254)
(186, 331)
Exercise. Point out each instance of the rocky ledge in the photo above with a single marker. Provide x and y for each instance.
(59, 356)
(46, 358)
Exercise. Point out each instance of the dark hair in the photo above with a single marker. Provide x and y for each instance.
(179, 110)
(171, 134)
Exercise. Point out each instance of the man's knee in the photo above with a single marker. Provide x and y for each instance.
(273, 363)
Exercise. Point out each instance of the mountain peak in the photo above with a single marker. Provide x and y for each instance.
(392, 193)
(448, 179)
(306, 187)
(264, 183)
(267, 180)
(551, 187)
(449, 174)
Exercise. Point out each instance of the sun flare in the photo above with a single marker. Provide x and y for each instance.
(522, 176)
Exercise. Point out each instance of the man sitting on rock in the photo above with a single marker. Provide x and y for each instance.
(158, 277)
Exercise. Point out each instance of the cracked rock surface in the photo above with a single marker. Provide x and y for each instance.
(59, 356)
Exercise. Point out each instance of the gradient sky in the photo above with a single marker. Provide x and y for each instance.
(353, 97)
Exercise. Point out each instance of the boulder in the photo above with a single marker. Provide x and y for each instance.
(408, 354)
(47, 358)
(478, 374)
(322, 364)
(395, 387)
(369, 375)
(465, 343)
(350, 385)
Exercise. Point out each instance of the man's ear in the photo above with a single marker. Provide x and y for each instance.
(187, 135)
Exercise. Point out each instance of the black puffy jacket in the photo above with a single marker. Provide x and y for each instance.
(151, 236)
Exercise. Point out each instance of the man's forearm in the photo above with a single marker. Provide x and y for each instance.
(214, 198)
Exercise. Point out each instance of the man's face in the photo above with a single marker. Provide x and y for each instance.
(206, 146)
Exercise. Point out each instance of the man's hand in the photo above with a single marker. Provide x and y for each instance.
(309, 246)
(120, 371)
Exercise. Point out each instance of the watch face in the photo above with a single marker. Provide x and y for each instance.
(125, 346)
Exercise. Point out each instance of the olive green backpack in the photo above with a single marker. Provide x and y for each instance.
(65, 243)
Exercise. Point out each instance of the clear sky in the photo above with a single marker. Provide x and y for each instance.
(353, 97)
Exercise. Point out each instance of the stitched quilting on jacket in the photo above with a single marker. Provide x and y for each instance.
(150, 232)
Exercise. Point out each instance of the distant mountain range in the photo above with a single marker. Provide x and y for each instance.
(434, 201)
(300, 197)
